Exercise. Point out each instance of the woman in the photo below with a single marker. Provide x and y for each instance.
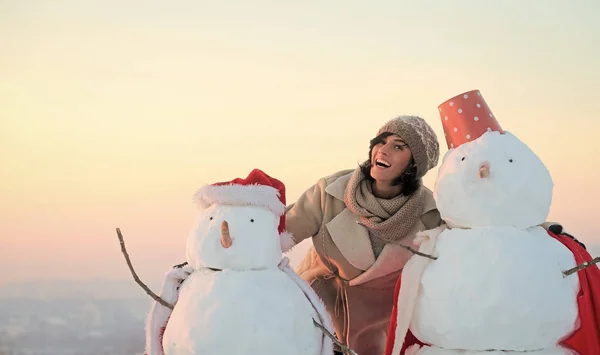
(359, 220)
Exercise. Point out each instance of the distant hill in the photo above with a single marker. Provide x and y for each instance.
(74, 289)
(115, 289)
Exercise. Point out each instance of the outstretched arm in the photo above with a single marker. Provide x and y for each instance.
(303, 218)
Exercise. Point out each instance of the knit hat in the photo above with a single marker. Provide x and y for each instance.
(421, 140)
(258, 189)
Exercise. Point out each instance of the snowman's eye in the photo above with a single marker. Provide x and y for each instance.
(211, 218)
(510, 160)
(252, 220)
(463, 158)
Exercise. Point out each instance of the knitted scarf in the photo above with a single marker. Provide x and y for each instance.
(388, 220)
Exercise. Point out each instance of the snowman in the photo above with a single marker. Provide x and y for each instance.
(238, 295)
(492, 279)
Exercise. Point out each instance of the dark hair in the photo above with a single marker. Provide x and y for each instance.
(408, 179)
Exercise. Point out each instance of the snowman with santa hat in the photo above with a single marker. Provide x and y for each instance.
(236, 294)
(492, 280)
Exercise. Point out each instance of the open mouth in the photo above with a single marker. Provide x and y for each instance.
(382, 163)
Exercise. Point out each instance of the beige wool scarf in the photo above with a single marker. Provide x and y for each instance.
(388, 220)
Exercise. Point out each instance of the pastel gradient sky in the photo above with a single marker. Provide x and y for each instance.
(112, 113)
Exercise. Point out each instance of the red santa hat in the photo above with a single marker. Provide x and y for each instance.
(257, 189)
(466, 117)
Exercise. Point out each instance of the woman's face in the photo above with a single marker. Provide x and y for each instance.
(389, 157)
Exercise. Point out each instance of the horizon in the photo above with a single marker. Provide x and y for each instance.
(114, 114)
(152, 281)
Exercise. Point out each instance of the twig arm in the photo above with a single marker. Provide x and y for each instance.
(416, 252)
(345, 349)
(581, 266)
(135, 276)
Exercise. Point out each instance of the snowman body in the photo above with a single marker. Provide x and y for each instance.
(497, 284)
(496, 288)
(240, 311)
(442, 351)
(238, 299)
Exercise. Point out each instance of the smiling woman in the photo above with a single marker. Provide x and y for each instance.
(357, 220)
(391, 166)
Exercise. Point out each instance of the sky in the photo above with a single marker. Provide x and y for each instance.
(113, 113)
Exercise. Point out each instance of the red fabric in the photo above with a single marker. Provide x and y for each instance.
(470, 114)
(585, 340)
(259, 177)
(409, 339)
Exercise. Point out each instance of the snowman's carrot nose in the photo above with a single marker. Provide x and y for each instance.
(484, 170)
(225, 236)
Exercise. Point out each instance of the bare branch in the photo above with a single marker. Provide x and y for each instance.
(344, 348)
(581, 266)
(416, 252)
(135, 276)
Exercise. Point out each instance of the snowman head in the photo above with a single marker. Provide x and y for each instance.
(488, 177)
(240, 225)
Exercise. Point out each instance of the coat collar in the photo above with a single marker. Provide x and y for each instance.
(338, 187)
(353, 239)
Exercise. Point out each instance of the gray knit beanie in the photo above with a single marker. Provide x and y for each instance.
(421, 140)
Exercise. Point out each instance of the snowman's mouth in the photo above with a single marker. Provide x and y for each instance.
(382, 163)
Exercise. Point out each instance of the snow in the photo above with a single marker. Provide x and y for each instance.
(255, 239)
(497, 285)
(491, 281)
(253, 312)
(518, 191)
(239, 297)
(439, 351)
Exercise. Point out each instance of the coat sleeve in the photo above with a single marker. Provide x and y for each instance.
(304, 217)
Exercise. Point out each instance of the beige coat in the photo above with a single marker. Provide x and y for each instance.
(357, 288)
